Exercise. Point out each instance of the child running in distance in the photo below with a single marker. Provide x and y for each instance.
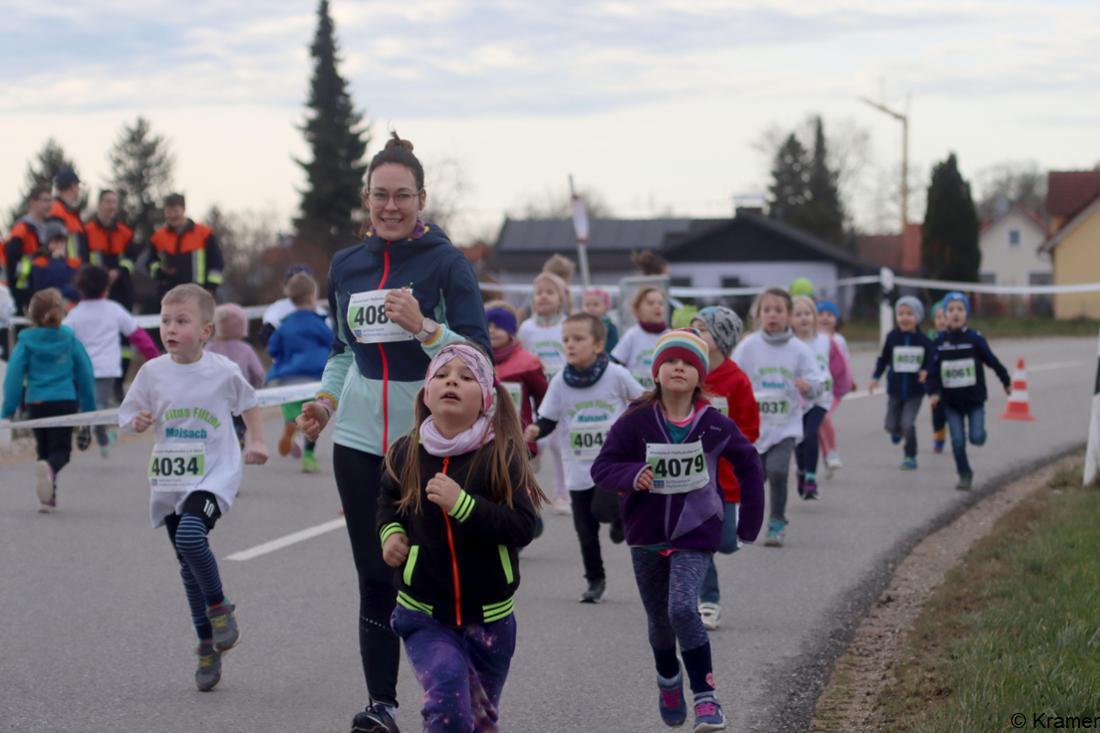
(906, 354)
(730, 393)
(588, 396)
(840, 367)
(230, 331)
(635, 349)
(49, 368)
(597, 302)
(956, 378)
(939, 421)
(52, 267)
(662, 458)
(541, 335)
(458, 501)
(804, 321)
(98, 323)
(783, 372)
(189, 396)
(299, 348)
(517, 368)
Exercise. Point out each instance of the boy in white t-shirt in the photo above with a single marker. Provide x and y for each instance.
(190, 396)
(589, 394)
(98, 323)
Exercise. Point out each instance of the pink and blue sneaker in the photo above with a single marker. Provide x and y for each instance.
(708, 714)
(671, 700)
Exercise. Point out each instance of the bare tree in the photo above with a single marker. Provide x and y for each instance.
(1011, 183)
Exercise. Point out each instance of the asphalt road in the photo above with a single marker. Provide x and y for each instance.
(96, 635)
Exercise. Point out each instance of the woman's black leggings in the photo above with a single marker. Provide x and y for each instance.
(358, 478)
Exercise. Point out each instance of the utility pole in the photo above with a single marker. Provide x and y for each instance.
(903, 118)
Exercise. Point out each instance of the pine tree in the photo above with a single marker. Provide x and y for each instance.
(824, 216)
(789, 192)
(141, 173)
(949, 246)
(41, 171)
(336, 174)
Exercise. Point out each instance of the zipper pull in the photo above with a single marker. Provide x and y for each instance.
(446, 462)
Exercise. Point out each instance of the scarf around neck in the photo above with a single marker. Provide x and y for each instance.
(648, 327)
(501, 355)
(777, 338)
(581, 378)
(470, 439)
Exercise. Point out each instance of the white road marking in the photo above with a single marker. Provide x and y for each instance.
(1053, 365)
(288, 540)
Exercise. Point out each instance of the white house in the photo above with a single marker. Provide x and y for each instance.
(1010, 245)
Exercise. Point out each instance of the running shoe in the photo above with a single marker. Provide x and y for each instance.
(708, 714)
(711, 615)
(670, 700)
(223, 620)
(809, 490)
(617, 532)
(209, 672)
(909, 464)
(45, 486)
(833, 460)
(594, 592)
(966, 481)
(777, 530)
(896, 438)
(309, 464)
(83, 437)
(376, 718)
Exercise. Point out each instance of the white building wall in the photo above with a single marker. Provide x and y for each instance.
(1012, 264)
(765, 274)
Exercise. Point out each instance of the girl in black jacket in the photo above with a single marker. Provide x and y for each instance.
(458, 501)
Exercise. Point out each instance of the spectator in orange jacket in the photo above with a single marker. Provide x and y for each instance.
(731, 393)
(183, 251)
(110, 246)
(66, 209)
(27, 237)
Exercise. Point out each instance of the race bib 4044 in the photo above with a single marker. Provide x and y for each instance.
(958, 373)
(367, 320)
(677, 467)
(177, 465)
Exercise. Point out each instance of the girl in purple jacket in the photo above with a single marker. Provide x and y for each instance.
(661, 458)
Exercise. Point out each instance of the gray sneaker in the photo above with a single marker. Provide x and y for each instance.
(209, 671)
(966, 481)
(224, 622)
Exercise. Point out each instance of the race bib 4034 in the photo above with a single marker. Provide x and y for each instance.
(177, 465)
(677, 467)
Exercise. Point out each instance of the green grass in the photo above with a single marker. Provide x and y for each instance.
(994, 327)
(1015, 628)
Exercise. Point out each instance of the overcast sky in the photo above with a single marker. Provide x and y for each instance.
(655, 104)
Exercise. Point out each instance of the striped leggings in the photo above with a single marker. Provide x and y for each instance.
(198, 568)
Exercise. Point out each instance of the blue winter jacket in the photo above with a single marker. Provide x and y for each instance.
(375, 400)
(903, 385)
(957, 370)
(48, 365)
(300, 346)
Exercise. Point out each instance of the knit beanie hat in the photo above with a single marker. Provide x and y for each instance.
(682, 343)
(503, 319)
(828, 306)
(724, 326)
(959, 296)
(914, 305)
(560, 286)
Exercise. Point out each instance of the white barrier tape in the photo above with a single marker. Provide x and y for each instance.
(914, 282)
(264, 398)
(152, 320)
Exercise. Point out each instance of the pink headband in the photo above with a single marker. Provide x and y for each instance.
(602, 293)
(475, 361)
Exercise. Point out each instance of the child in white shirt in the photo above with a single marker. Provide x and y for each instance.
(190, 396)
(635, 349)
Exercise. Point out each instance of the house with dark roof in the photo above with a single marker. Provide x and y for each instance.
(900, 252)
(1073, 239)
(748, 249)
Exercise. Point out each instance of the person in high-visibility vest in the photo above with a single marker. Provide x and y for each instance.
(183, 251)
(66, 209)
(26, 238)
(110, 246)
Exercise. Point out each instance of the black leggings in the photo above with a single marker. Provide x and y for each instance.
(358, 477)
(53, 445)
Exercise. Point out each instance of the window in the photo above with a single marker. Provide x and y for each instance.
(988, 278)
(1014, 238)
(1040, 278)
(679, 281)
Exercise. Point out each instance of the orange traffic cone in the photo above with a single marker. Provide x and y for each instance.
(1018, 406)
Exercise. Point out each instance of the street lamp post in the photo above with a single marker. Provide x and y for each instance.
(903, 118)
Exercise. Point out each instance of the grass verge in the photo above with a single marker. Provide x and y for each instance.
(1015, 628)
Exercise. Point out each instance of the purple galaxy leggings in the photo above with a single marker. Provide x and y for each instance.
(462, 670)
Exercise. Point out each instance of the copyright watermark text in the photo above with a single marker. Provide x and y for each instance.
(1047, 721)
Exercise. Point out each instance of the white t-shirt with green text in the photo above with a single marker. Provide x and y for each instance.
(545, 343)
(635, 352)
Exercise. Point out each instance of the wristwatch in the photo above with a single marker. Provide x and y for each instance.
(427, 330)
